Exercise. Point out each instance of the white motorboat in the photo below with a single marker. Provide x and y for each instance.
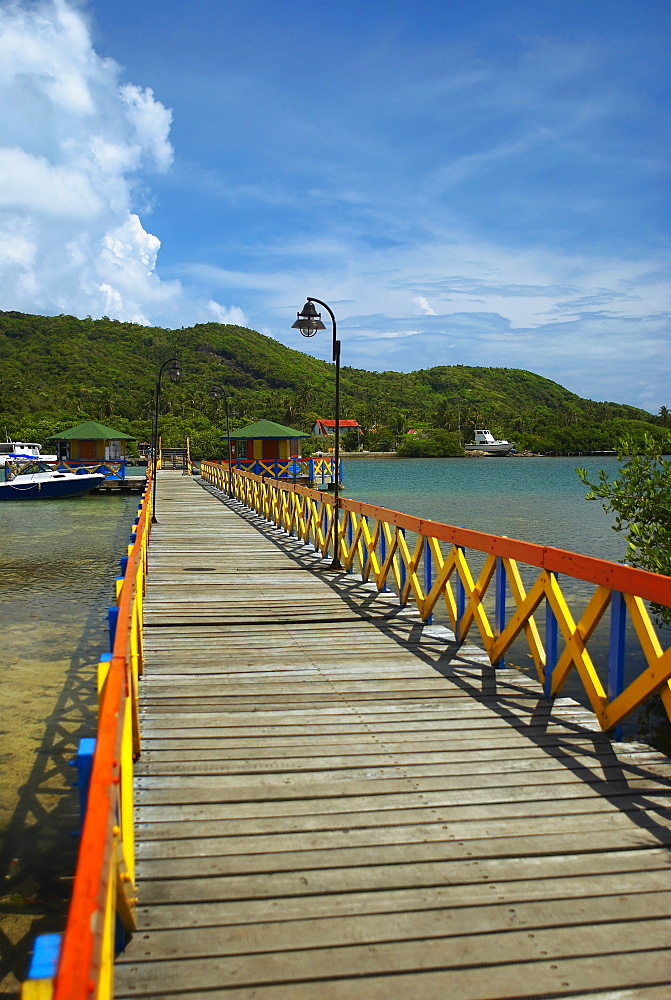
(36, 481)
(485, 441)
(18, 450)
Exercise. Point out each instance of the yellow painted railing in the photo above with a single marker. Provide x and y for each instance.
(435, 566)
(315, 469)
(112, 470)
(80, 966)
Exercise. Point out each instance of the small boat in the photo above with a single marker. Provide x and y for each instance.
(15, 450)
(485, 441)
(36, 481)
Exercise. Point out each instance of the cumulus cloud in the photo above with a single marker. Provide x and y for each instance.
(76, 141)
(423, 306)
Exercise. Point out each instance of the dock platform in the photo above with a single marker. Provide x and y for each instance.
(129, 484)
(335, 801)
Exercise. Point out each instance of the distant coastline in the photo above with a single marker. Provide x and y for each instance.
(468, 454)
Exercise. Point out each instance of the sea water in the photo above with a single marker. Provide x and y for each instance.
(539, 500)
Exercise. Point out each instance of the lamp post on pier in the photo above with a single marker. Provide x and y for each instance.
(175, 373)
(218, 392)
(308, 322)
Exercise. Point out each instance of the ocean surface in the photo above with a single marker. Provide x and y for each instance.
(540, 500)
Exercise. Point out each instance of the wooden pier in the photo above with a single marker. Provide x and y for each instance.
(129, 484)
(336, 802)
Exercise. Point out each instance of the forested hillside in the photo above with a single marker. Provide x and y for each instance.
(57, 371)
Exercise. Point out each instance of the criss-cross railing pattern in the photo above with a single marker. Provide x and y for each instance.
(315, 469)
(431, 564)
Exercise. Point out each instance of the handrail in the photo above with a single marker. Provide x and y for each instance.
(373, 539)
(103, 891)
(317, 468)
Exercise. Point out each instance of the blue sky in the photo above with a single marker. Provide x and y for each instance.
(473, 182)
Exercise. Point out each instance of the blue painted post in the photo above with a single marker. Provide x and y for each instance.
(123, 565)
(551, 640)
(350, 539)
(428, 574)
(44, 960)
(383, 556)
(112, 619)
(500, 604)
(311, 470)
(616, 648)
(403, 572)
(84, 764)
(461, 598)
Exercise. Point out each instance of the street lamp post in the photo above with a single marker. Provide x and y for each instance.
(175, 373)
(218, 392)
(308, 322)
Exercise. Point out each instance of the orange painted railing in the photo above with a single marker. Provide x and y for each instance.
(435, 565)
(103, 894)
(313, 469)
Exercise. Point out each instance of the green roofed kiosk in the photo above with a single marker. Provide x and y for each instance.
(91, 442)
(270, 449)
(265, 441)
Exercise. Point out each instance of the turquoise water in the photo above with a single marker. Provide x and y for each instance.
(540, 500)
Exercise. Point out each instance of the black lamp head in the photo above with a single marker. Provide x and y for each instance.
(308, 321)
(175, 372)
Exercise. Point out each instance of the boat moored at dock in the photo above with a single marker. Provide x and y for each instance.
(16, 450)
(37, 481)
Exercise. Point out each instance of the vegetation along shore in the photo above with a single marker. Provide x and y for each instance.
(56, 371)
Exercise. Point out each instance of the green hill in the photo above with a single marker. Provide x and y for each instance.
(57, 371)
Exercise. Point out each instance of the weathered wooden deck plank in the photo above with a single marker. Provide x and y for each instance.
(334, 801)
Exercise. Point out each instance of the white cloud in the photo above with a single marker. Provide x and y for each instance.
(75, 139)
(31, 184)
(226, 314)
(423, 306)
(151, 122)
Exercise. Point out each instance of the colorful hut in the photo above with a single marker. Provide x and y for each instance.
(91, 442)
(265, 441)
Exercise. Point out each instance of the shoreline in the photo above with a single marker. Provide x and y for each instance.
(469, 454)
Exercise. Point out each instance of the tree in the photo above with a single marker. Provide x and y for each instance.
(640, 498)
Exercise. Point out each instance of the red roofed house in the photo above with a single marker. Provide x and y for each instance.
(326, 428)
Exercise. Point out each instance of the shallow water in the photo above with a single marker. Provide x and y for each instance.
(58, 560)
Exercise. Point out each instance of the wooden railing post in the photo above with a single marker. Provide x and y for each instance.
(460, 599)
(500, 603)
(551, 642)
(616, 650)
(428, 575)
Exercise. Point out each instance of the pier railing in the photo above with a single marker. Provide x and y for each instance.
(79, 965)
(318, 469)
(431, 564)
(112, 469)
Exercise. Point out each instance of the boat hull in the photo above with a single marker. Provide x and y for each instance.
(502, 448)
(34, 488)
